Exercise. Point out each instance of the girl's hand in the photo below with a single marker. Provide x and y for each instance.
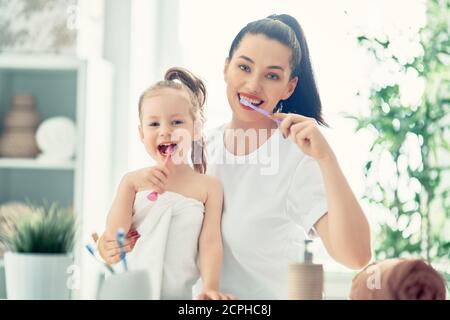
(214, 295)
(109, 248)
(152, 178)
(305, 133)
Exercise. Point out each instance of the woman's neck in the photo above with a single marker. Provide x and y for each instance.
(243, 144)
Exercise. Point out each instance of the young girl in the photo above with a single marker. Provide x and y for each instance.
(289, 176)
(187, 212)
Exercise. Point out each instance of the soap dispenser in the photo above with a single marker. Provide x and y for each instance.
(305, 279)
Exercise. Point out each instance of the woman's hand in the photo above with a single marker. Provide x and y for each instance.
(305, 133)
(214, 295)
(152, 178)
(109, 249)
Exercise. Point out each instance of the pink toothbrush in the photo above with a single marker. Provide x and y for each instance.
(153, 196)
(262, 111)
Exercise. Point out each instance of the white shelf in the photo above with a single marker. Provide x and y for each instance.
(21, 163)
(39, 62)
(60, 85)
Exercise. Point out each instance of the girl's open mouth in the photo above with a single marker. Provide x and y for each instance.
(166, 148)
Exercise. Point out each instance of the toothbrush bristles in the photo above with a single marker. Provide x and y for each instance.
(262, 111)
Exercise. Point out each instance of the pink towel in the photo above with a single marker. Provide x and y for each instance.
(398, 279)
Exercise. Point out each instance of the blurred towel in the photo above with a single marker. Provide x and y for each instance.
(398, 279)
(168, 246)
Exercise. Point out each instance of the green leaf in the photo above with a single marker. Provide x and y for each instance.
(427, 121)
(44, 230)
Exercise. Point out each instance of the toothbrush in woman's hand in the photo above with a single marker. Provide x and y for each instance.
(262, 111)
(153, 196)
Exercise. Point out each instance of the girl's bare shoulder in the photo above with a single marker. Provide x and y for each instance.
(208, 184)
(210, 181)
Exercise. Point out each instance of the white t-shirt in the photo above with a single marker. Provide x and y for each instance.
(271, 197)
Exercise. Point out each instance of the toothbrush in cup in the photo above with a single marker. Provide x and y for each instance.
(90, 248)
(121, 243)
(153, 196)
(262, 111)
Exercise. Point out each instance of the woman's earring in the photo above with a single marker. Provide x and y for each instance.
(278, 107)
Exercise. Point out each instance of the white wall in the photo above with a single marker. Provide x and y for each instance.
(117, 51)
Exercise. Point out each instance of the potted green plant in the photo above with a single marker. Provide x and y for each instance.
(38, 253)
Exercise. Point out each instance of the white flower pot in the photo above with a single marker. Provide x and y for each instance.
(2, 280)
(32, 276)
